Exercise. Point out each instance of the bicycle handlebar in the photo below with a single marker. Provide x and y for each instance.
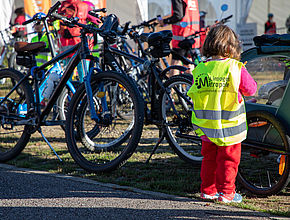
(147, 24)
(28, 21)
(41, 16)
(74, 21)
(95, 12)
(224, 20)
(63, 18)
(53, 8)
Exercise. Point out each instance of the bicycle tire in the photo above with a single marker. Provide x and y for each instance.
(259, 169)
(62, 105)
(13, 138)
(188, 150)
(100, 156)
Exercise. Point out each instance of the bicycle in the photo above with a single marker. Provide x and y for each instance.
(59, 110)
(265, 164)
(21, 113)
(152, 81)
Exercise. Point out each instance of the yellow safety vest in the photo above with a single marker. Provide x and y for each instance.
(217, 112)
(41, 57)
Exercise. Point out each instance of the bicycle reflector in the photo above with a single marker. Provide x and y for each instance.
(257, 124)
(282, 164)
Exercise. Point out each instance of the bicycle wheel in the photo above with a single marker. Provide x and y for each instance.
(13, 132)
(263, 172)
(179, 131)
(107, 143)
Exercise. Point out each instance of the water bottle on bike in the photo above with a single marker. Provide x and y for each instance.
(51, 81)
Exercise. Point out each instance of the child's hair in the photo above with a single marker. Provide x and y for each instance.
(222, 41)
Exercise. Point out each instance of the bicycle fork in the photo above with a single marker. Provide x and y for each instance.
(101, 94)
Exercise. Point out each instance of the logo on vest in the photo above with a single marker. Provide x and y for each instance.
(191, 4)
(204, 80)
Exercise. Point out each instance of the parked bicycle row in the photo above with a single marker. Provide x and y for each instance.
(121, 90)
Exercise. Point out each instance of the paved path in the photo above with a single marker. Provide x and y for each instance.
(27, 194)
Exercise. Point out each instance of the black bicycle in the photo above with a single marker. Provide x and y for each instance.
(22, 114)
(166, 103)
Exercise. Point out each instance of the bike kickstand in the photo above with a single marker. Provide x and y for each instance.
(44, 138)
(161, 138)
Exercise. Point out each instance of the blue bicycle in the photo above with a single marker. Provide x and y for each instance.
(110, 140)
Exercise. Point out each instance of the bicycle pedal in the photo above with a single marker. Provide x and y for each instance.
(101, 94)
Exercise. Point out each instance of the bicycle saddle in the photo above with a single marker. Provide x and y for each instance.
(150, 38)
(29, 47)
(186, 43)
(275, 39)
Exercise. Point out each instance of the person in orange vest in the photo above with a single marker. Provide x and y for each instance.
(70, 36)
(270, 25)
(185, 21)
(219, 116)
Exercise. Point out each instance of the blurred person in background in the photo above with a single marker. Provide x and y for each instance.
(287, 24)
(270, 25)
(20, 18)
(202, 27)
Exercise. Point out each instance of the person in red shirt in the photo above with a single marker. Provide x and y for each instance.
(270, 25)
(20, 18)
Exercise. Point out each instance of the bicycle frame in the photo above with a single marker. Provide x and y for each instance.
(154, 79)
(82, 52)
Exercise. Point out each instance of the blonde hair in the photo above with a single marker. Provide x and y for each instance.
(222, 41)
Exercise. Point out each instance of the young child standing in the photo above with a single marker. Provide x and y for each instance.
(219, 114)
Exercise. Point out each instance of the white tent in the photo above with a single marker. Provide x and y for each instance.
(6, 13)
(6, 8)
(129, 10)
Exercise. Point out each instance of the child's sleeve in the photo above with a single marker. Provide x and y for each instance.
(248, 86)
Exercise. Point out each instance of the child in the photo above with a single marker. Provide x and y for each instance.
(219, 112)
(45, 55)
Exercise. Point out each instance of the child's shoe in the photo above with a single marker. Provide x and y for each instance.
(209, 196)
(227, 198)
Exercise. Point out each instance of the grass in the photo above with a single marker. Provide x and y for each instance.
(164, 173)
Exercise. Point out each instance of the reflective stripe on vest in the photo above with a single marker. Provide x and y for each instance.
(224, 132)
(42, 57)
(218, 114)
(188, 24)
(178, 38)
(185, 24)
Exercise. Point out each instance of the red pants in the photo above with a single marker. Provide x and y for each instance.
(219, 167)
